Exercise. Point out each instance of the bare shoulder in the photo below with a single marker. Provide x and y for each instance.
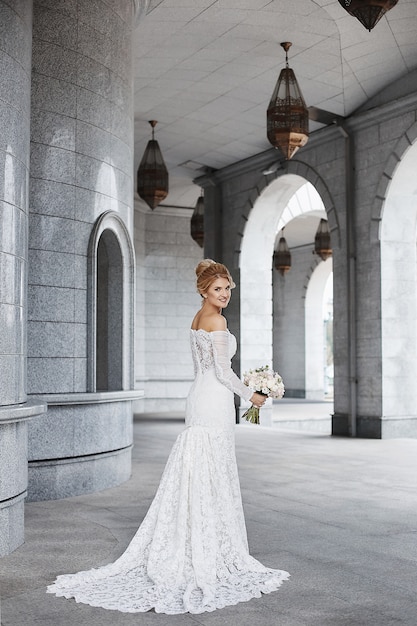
(209, 322)
(218, 323)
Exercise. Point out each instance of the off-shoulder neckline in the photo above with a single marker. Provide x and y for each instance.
(208, 332)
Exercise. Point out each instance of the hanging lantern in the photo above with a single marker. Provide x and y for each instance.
(322, 244)
(282, 256)
(152, 173)
(197, 222)
(368, 12)
(287, 114)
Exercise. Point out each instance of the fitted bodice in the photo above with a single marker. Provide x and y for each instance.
(203, 350)
(212, 352)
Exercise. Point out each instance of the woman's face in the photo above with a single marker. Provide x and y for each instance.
(218, 294)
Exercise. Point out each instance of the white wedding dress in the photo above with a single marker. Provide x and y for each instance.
(190, 553)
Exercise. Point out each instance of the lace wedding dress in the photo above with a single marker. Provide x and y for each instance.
(191, 553)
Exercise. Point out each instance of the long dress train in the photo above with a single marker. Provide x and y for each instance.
(190, 553)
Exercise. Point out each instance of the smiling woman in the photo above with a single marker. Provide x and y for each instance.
(214, 284)
(191, 552)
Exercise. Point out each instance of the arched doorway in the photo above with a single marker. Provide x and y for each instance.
(265, 220)
(288, 197)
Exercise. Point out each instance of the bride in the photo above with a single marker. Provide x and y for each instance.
(190, 553)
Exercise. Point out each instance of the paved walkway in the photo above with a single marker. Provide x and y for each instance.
(339, 514)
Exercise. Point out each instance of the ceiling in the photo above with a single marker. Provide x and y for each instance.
(206, 69)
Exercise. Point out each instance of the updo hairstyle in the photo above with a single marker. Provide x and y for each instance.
(207, 271)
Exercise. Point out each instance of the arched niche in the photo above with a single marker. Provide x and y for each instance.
(109, 313)
(398, 236)
(110, 305)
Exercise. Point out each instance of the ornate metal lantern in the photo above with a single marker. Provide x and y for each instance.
(197, 222)
(322, 244)
(368, 12)
(282, 257)
(152, 181)
(287, 114)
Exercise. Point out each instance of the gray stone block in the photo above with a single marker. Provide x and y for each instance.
(121, 154)
(94, 76)
(55, 27)
(14, 33)
(52, 198)
(94, 109)
(12, 272)
(48, 232)
(93, 142)
(93, 174)
(80, 375)
(51, 268)
(11, 524)
(51, 59)
(50, 375)
(80, 271)
(11, 127)
(52, 94)
(81, 241)
(13, 379)
(69, 477)
(15, 85)
(54, 339)
(12, 330)
(49, 162)
(54, 129)
(121, 189)
(53, 304)
(13, 471)
(13, 185)
(13, 459)
(79, 332)
(13, 227)
(82, 427)
(90, 204)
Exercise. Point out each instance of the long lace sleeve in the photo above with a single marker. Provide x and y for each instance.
(224, 372)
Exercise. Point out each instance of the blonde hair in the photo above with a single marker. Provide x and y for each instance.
(207, 271)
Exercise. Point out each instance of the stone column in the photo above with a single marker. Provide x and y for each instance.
(81, 195)
(15, 58)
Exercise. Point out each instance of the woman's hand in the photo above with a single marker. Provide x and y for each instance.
(258, 399)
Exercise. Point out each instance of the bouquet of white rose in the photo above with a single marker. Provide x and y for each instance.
(266, 382)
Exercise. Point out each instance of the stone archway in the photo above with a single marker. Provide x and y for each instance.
(269, 214)
(110, 233)
(256, 270)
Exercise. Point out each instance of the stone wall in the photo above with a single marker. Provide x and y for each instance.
(166, 257)
(80, 195)
(351, 167)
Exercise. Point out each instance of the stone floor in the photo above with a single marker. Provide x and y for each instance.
(339, 514)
